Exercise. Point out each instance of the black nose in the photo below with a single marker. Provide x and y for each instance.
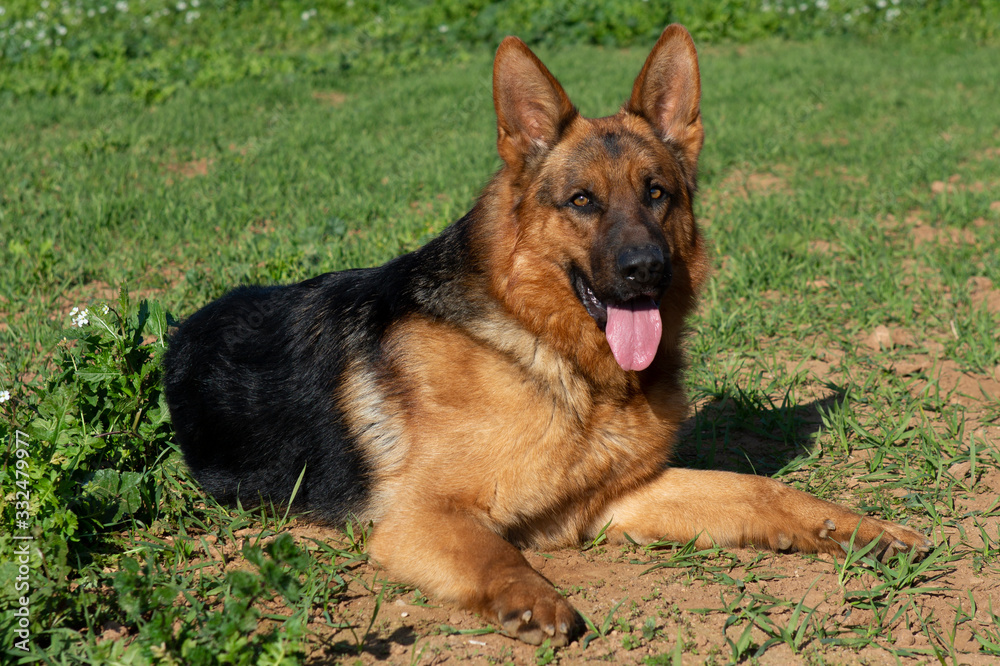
(643, 266)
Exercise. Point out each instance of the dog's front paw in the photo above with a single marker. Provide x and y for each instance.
(834, 534)
(892, 537)
(535, 612)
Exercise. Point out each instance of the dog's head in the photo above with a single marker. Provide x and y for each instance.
(602, 241)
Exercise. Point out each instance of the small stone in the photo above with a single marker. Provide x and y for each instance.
(880, 339)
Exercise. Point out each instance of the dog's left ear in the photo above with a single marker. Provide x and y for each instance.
(532, 108)
(667, 93)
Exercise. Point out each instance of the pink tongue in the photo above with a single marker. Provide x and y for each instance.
(633, 332)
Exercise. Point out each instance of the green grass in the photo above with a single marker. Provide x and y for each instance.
(820, 166)
(150, 49)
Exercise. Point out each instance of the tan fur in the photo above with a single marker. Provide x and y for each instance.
(518, 428)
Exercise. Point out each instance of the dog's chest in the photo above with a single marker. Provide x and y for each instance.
(517, 434)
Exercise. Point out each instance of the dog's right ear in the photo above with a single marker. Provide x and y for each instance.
(532, 108)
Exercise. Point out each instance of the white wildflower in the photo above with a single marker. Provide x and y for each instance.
(442, 28)
(892, 14)
(4, 396)
(61, 29)
(822, 5)
(308, 14)
(121, 6)
(105, 309)
(191, 16)
(80, 317)
(181, 6)
(2, 11)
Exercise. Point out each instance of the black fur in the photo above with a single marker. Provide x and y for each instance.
(251, 379)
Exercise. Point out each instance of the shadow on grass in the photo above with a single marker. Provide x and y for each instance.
(748, 432)
(376, 645)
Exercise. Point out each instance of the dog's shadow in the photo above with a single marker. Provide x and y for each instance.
(742, 432)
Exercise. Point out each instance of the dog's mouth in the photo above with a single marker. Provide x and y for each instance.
(632, 327)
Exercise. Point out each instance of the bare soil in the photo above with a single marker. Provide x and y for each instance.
(684, 604)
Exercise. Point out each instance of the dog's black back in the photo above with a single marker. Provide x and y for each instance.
(251, 379)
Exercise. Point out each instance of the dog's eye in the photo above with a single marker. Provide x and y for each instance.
(580, 200)
(656, 192)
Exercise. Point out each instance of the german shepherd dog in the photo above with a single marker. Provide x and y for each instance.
(516, 382)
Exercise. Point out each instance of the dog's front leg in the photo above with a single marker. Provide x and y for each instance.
(451, 555)
(740, 510)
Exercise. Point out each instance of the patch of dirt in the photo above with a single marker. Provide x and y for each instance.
(621, 590)
(839, 140)
(83, 296)
(947, 236)
(242, 150)
(822, 247)
(955, 184)
(196, 167)
(261, 226)
(841, 173)
(986, 155)
(744, 184)
(331, 97)
(968, 389)
(913, 217)
(112, 631)
(881, 338)
(924, 361)
(984, 294)
(819, 284)
(92, 293)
